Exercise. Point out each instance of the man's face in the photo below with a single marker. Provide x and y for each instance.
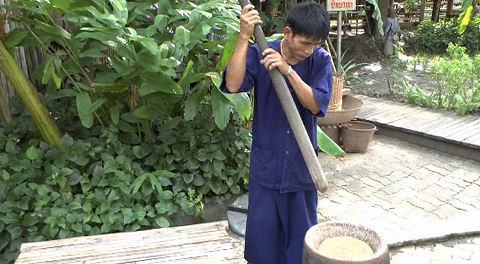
(300, 46)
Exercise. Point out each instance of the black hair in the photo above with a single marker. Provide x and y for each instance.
(309, 20)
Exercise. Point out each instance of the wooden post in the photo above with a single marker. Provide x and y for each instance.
(293, 117)
(436, 10)
(422, 11)
(449, 8)
(339, 40)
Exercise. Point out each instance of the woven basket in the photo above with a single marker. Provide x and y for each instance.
(356, 135)
(337, 93)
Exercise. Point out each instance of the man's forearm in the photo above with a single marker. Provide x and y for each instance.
(237, 65)
(304, 92)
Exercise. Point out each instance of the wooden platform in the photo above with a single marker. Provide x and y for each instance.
(440, 125)
(201, 243)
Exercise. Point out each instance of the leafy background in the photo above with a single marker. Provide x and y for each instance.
(133, 86)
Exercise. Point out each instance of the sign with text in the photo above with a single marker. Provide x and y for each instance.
(341, 5)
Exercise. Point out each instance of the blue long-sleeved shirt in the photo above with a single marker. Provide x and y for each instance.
(276, 161)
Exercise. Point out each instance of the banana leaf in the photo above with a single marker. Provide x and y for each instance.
(327, 145)
(377, 15)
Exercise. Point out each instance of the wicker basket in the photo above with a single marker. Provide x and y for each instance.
(337, 93)
(356, 135)
(332, 131)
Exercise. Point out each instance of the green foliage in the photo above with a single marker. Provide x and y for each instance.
(434, 38)
(458, 79)
(471, 39)
(112, 181)
(129, 62)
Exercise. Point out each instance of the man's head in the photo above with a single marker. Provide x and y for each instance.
(307, 26)
(309, 20)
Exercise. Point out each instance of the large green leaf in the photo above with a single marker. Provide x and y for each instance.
(241, 101)
(159, 82)
(228, 50)
(182, 35)
(377, 16)
(16, 37)
(120, 10)
(464, 18)
(62, 4)
(83, 107)
(327, 145)
(147, 112)
(193, 102)
(221, 108)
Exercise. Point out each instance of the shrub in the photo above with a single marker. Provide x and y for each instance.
(113, 181)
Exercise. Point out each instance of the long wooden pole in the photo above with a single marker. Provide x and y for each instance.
(293, 117)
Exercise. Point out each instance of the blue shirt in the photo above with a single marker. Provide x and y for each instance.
(276, 161)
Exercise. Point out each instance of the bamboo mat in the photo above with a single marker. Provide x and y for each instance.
(200, 243)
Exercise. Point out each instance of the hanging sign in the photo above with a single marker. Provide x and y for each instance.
(341, 5)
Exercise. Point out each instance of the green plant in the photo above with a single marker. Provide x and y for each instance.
(111, 180)
(471, 38)
(434, 38)
(127, 63)
(458, 79)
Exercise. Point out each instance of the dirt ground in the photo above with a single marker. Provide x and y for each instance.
(376, 75)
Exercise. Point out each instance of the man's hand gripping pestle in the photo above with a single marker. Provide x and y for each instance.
(288, 105)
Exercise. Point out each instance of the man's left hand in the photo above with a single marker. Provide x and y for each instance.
(272, 59)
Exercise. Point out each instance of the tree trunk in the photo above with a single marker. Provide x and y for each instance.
(422, 11)
(436, 10)
(25, 90)
(449, 8)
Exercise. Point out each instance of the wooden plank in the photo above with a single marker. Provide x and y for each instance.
(474, 140)
(393, 118)
(440, 130)
(207, 243)
(386, 111)
(470, 124)
(415, 119)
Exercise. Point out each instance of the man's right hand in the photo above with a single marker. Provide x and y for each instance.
(248, 20)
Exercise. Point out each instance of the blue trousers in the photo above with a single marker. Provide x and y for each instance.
(277, 223)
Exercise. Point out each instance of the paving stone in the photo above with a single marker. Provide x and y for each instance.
(458, 181)
(442, 194)
(446, 210)
(437, 169)
(397, 175)
(433, 200)
(407, 192)
(372, 183)
(472, 177)
(449, 185)
(378, 178)
(428, 207)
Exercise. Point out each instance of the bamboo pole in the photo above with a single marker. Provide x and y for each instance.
(25, 90)
(293, 117)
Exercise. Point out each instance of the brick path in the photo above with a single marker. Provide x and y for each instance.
(406, 192)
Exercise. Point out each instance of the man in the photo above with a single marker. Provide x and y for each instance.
(392, 31)
(282, 196)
